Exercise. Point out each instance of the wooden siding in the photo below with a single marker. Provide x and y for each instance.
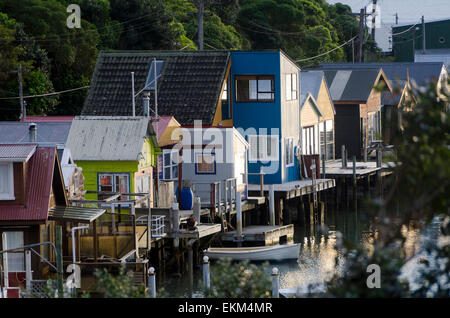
(325, 103)
(309, 115)
(218, 115)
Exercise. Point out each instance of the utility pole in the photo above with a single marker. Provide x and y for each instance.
(360, 35)
(396, 18)
(423, 35)
(414, 43)
(22, 105)
(374, 18)
(201, 9)
(157, 127)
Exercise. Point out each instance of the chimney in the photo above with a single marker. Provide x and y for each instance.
(32, 132)
(146, 104)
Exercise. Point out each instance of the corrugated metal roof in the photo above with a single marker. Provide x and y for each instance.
(50, 133)
(39, 183)
(16, 153)
(351, 84)
(74, 214)
(107, 138)
(396, 72)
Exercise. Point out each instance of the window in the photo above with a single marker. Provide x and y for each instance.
(205, 164)
(291, 86)
(289, 151)
(263, 147)
(150, 83)
(6, 181)
(309, 142)
(170, 167)
(255, 88)
(113, 182)
(15, 260)
(373, 126)
(326, 139)
(226, 104)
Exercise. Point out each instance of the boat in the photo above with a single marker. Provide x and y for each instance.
(260, 253)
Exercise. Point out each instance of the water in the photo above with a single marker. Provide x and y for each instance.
(316, 263)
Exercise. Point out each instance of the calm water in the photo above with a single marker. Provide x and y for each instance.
(317, 257)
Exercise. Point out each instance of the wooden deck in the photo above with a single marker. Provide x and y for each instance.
(267, 235)
(333, 169)
(295, 188)
(202, 230)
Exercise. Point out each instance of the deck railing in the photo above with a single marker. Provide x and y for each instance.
(218, 196)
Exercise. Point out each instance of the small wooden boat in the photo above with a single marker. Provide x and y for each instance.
(260, 253)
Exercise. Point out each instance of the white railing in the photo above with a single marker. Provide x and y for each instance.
(157, 226)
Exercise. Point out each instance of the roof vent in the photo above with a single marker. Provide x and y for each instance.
(32, 132)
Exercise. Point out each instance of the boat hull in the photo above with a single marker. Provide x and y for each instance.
(265, 253)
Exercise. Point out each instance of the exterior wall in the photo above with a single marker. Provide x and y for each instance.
(19, 177)
(290, 116)
(258, 117)
(434, 31)
(325, 102)
(309, 115)
(218, 120)
(347, 130)
(232, 148)
(91, 169)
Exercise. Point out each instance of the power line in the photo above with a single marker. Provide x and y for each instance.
(313, 57)
(48, 94)
(394, 34)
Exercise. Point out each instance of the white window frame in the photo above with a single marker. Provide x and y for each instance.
(261, 152)
(289, 151)
(291, 86)
(114, 183)
(15, 258)
(9, 180)
(172, 164)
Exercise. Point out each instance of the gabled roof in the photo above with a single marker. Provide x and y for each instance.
(396, 72)
(43, 172)
(107, 138)
(188, 88)
(16, 153)
(50, 133)
(310, 82)
(313, 102)
(352, 84)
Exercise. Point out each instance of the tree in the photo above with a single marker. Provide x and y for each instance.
(421, 183)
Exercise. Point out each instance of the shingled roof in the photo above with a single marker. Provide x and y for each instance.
(188, 88)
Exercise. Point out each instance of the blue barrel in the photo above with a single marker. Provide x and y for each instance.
(187, 199)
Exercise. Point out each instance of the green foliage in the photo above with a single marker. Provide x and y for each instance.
(421, 186)
(239, 280)
(118, 286)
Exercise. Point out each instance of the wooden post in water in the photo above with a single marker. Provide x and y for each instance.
(275, 283)
(206, 273)
(272, 204)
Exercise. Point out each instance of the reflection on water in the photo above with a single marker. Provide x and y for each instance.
(316, 263)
